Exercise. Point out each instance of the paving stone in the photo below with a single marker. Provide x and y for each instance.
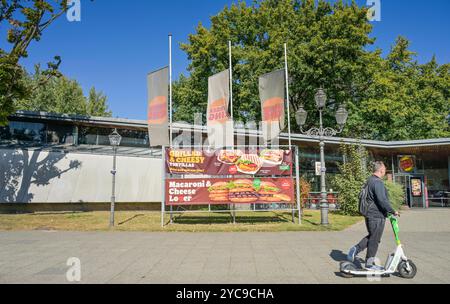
(291, 257)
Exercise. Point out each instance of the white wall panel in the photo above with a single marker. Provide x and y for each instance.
(51, 177)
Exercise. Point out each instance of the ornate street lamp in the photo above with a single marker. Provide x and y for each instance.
(114, 140)
(321, 99)
(321, 133)
(341, 116)
(301, 116)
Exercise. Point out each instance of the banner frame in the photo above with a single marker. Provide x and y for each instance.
(296, 205)
(164, 176)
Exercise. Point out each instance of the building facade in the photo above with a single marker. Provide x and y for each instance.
(61, 160)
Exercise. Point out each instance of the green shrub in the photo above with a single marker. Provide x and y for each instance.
(354, 173)
(396, 194)
(352, 177)
(305, 189)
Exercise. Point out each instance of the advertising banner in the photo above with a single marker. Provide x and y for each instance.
(272, 94)
(158, 87)
(220, 126)
(258, 162)
(218, 191)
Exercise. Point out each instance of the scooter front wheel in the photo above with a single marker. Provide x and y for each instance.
(346, 267)
(407, 272)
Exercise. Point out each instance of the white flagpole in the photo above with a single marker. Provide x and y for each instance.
(232, 111)
(287, 94)
(170, 87)
(231, 81)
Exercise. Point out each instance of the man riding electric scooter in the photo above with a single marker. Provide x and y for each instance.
(378, 209)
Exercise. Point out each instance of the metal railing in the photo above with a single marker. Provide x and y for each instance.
(314, 198)
(442, 201)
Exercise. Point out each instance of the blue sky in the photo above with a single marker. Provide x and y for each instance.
(118, 42)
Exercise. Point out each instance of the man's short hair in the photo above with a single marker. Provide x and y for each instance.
(377, 165)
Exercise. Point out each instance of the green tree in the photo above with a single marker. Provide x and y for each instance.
(405, 100)
(25, 22)
(391, 98)
(326, 45)
(97, 104)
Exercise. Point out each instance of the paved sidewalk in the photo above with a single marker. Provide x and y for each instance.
(297, 257)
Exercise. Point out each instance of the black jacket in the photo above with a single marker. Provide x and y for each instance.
(378, 198)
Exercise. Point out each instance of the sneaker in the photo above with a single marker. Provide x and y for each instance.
(352, 254)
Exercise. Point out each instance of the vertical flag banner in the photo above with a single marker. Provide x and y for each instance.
(272, 95)
(158, 84)
(220, 126)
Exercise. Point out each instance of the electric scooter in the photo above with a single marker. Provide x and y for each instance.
(396, 261)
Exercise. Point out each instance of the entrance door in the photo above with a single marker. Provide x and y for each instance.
(414, 187)
(404, 181)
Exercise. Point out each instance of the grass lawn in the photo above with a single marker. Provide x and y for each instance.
(151, 222)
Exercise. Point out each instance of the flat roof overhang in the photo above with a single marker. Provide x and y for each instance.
(180, 127)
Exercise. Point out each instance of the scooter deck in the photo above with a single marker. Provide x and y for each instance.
(368, 272)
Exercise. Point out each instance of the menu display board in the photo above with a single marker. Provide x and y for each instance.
(259, 162)
(223, 191)
(416, 187)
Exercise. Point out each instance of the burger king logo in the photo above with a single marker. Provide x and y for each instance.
(407, 164)
(218, 112)
(273, 109)
(157, 111)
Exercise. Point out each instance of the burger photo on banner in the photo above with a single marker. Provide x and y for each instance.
(230, 191)
(247, 191)
(266, 162)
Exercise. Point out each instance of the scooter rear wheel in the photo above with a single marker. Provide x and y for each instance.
(345, 267)
(403, 269)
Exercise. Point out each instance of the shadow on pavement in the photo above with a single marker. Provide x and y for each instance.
(194, 220)
(338, 256)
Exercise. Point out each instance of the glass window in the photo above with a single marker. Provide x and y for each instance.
(100, 137)
(60, 134)
(28, 132)
(5, 135)
(133, 138)
(87, 136)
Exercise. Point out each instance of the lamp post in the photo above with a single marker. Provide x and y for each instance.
(321, 133)
(114, 140)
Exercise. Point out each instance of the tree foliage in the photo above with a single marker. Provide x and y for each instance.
(305, 189)
(406, 100)
(391, 98)
(97, 105)
(62, 95)
(25, 22)
(396, 194)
